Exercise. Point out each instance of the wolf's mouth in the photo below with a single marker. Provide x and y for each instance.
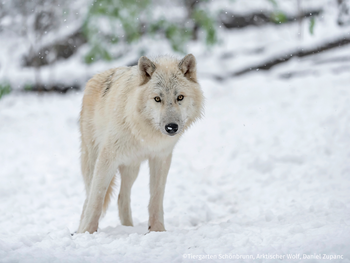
(171, 135)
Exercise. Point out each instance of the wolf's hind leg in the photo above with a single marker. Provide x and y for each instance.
(88, 160)
(105, 169)
(128, 176)
(159, 168)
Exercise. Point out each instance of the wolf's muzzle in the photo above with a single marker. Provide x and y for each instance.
(171, 128)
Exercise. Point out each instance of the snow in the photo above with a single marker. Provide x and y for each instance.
(266, 171)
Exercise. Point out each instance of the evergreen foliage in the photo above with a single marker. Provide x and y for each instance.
(5, 88)
(110, 22)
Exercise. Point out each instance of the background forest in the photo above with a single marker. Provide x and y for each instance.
(42, 41)
(266, 171)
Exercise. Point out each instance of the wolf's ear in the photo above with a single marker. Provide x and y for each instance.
(188, 67)
(146, 68)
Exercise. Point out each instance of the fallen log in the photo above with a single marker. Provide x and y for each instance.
(231, 20)
(298, 53)
(58, 88)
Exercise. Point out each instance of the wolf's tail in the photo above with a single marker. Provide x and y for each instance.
(109, 195)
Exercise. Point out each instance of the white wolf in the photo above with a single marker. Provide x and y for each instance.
(131, 114)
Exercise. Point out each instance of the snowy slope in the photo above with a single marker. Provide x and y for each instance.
(266, 171)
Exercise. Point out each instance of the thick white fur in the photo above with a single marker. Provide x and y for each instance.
(121, 125)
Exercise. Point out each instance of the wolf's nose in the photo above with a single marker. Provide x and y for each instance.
(171, 128)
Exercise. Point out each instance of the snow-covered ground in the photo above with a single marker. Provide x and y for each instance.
(267, 171)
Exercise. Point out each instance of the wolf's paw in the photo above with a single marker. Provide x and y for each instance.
(90, 228)
(82, 232)
(156, 227)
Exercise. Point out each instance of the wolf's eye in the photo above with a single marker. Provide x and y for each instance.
(180, 97)
(157, 99)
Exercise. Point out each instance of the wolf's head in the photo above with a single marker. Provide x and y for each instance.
(171, 97)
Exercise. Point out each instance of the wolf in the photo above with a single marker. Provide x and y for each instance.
(128, 115)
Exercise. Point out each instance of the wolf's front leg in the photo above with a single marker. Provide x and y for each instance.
(159, 168)
(104, 172)
(128, 175)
